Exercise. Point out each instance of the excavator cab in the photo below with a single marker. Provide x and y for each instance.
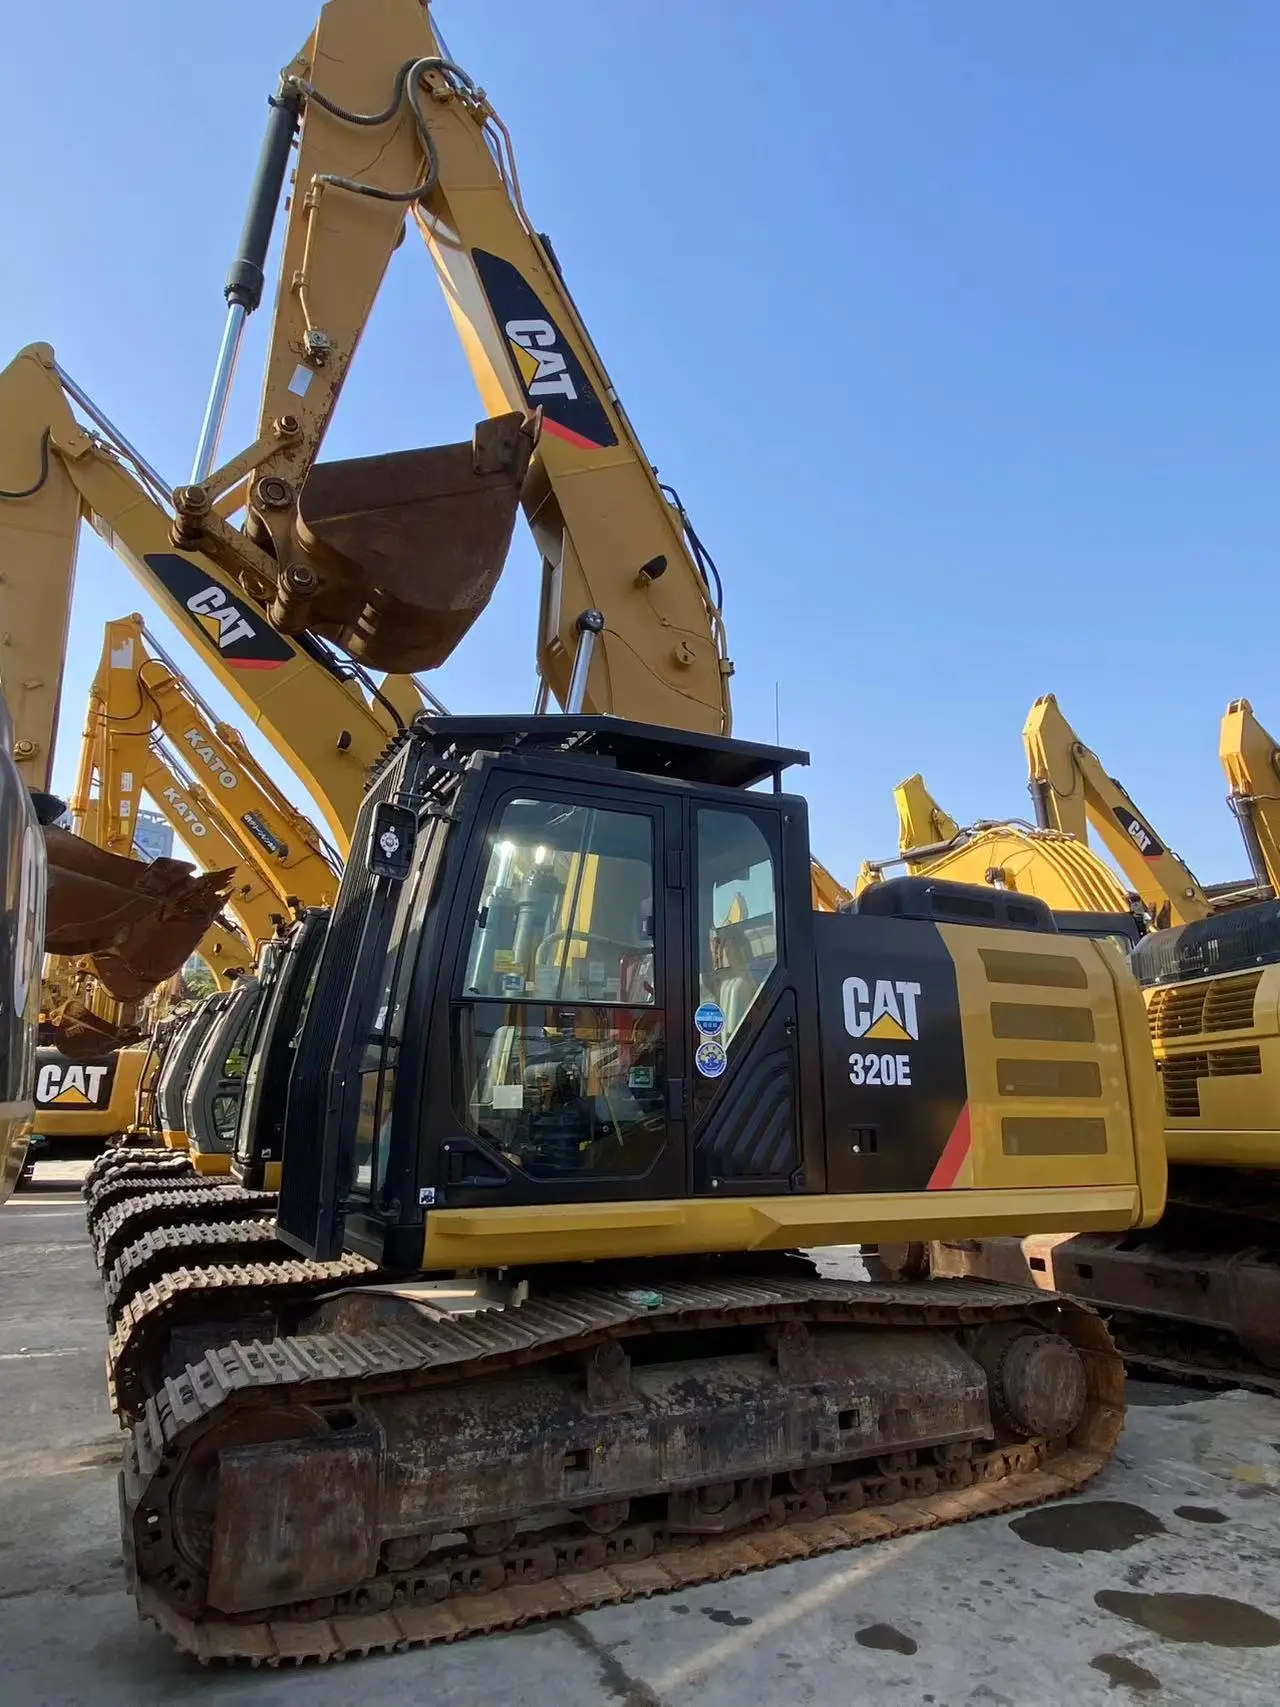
(175, 1070)
(255, 1163)
(590, 1012)
(214, 1091)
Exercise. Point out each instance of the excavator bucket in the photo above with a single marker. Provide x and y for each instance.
(137, 923)
(399, 554)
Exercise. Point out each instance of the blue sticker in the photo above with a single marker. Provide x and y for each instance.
(710, 1058)
(709, 1019)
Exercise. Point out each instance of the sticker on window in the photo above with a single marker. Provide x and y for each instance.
(710, 1058)
(709, 1019)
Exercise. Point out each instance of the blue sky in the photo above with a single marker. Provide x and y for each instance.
(953, 323)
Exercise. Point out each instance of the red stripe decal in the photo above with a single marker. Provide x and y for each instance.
(953, 1154)
(568, 434)
(254, 663)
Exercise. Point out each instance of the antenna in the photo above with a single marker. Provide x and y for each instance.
(777, 720)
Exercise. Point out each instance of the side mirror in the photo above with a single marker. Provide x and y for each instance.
(391, 839)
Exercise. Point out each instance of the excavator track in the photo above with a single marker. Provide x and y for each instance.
(119, 1226)
(196, 1244)
(346, 1428)
(155, 1168)
(116, 1155)
(181, 1310)
(113, 1192)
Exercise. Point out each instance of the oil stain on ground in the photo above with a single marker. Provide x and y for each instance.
(1200, 1513)
(718, 1615)
(1121, 1673)
(1092, 1526)
(884, 1636)
(1211, 1618)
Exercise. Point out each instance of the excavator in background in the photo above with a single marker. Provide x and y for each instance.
(1196, 1294)
(1251, 758)
(1071, 790)
(1083, 892)
(144, 720)
(573, 1006)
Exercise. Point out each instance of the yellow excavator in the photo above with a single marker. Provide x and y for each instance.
(144, 722)
(1053, 865)
(1193, 1295)
(575, 1067)
(1071, 790)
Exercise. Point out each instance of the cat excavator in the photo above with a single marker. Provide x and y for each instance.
(1071, 790)
(144, 721)
(574, 1067)
(1195, 1294)
(1053, 865)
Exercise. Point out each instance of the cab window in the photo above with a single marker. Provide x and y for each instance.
(737, 914)
(560, 1040)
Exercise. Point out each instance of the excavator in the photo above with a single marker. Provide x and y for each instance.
(1192, 1296)
(89, 1062)
(144, 722)
(1055, 866)
(1071, 790)
(574, 1067)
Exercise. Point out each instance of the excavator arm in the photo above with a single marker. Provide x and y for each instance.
(267, 833)
(54, 474)
(193, 815)
(1071, 790)
(386, 127)
(1251, 758)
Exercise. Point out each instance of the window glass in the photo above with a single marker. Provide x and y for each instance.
(564, 1091)
(566, 911)
(737, 913)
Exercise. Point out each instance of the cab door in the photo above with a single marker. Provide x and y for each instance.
(751, 998)
(570, 1003)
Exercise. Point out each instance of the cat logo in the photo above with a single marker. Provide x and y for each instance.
(551, 376)
(243, 637)
(1141, 835)
(205, 753)
(74, 1084)
(183, 811)
(222, 621)
(885, 1013)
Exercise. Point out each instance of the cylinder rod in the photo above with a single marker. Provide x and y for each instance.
(246, 275)
(589, 625)
(1242, 808)
(224, 373)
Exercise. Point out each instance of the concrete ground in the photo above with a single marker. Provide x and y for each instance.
(1160, 1584)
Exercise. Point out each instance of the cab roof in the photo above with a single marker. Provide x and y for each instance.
(645, 748)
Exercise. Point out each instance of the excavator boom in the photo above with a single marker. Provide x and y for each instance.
(1251, 759)
(414, 541)
(54, 474)
(1071, 791)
